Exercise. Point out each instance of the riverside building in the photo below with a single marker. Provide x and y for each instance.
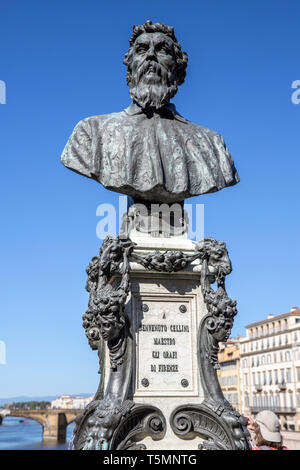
(270, 368)
(229, 373)
(68, 402)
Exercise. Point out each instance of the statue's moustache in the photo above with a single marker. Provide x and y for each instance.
(152, 89)
(155, 67)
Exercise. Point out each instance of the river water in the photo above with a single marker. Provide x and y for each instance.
(15, 435)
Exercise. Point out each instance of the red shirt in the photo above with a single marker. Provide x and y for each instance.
(268, 448)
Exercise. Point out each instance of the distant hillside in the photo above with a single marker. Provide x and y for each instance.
(21, 398)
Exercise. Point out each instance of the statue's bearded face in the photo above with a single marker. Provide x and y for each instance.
(153, 70)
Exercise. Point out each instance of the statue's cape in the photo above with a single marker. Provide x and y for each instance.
(159, 157)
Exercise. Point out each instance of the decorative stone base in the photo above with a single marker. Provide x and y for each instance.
(165, 310)
(156, 323)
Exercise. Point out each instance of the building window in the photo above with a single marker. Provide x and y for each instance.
(258, 378)
(270, 377)
(284, 399)
(289, 376)
(298, 374)
(246, 379)
(281, 357)
(269, 359)
(295, 336)
(287, 356)
(264, 378)
(276, 377)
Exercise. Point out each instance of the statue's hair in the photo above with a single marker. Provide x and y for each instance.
(150, 27)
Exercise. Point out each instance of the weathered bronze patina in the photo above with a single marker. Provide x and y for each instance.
(149, 151)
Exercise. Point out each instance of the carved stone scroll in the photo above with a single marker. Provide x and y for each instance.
(216, 327)
(105, 321)
(189, 421)
(142, 421)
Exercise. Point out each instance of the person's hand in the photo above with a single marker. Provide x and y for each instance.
(252, 425)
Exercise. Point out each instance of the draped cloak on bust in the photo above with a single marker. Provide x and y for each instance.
(156, 157)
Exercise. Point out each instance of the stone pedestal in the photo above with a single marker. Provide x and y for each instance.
(156, 322)
(165, 310)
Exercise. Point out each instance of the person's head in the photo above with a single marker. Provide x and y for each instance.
(268, 432)
(155, 64)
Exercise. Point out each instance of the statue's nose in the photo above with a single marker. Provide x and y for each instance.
(151, 54)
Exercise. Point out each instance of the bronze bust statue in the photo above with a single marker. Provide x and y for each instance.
(149, 151)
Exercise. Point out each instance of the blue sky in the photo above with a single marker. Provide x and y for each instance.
(62, 61)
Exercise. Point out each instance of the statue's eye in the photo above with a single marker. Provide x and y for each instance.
(141, 48)
(164, 48)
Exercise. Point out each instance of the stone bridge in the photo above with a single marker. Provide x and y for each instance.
(3, 413)
(54, 421)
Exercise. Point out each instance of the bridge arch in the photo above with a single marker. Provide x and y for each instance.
(54, 422)
(39, 420)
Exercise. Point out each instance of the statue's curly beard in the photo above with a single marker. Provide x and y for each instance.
(152, 85)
